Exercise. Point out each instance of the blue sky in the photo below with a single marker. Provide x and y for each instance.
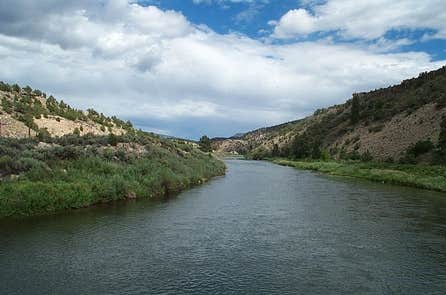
(217, 67)
(251, 18)
(224, 17)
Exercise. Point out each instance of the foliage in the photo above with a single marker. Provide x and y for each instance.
(76, 171)
(355, 109)
(205, 144)
(259, 153)
(421, 147)
(420, 176)
(442, 137)
(112, 139)
(27, 105)
(275, 152)
(307, 138)
(43, 134)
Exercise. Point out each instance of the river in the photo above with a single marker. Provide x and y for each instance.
(261, 229)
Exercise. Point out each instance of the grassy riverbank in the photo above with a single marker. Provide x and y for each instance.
(419, 176)
(74, 172)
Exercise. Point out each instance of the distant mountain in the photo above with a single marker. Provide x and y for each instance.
(25, 112)
(382, 124)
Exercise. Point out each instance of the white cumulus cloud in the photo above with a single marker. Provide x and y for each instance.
(364, 19)
(165, 73)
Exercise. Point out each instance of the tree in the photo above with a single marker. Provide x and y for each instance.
(76, 131)
(205, 144)
(5, 87)
(16, 88)
(275, 152)
(28, 89)
(43, 134)
(112, 139)
(7, 105)
(300, 147)
(316, 152)
(442, 137)
(37, 92)
(355, 109)
(421, 147)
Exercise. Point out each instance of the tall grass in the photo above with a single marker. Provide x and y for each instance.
(55, 181)
(419, 176)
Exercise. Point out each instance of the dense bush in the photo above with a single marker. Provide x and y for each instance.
(355, 109)
(76, 171)
(205, 144)
(421, 147)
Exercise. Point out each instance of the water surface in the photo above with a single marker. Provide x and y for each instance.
(261, 229)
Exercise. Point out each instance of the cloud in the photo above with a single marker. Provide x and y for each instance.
(363, 19)
(165, 73)
(294, 22)
(228, 1)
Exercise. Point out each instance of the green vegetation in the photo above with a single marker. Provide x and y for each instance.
(419, 176)
(356, 108)
(205, 144)
(442, 137)
(420, 148)
(77, 171)
(324, 133)
(26, 104)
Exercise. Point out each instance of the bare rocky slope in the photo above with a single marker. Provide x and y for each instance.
(25, 112)
(387, 122)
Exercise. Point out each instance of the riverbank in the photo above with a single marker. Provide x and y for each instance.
(418, 176)
(42, 178)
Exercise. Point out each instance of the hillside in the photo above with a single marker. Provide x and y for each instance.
(385, 124)
(25, 112)
(54, 157)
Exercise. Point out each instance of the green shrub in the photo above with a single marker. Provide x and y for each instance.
(205, 144)
(355, 109)
(421, 147)
(43, 134)
(80, 170)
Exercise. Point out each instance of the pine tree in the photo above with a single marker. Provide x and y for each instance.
(354, 115)
(205, 144)
(442, 137)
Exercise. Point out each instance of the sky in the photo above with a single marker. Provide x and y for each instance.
(186, 68)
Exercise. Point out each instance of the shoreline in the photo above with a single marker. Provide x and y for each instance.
(431, 178)
(157, 197)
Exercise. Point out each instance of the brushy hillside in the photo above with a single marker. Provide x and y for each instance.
(40, 177)
(398, 123)
(54, 157)
(25, 112)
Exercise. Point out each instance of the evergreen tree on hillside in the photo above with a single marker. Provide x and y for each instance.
(442, 138)
(16, 88)
(112, 139)
(205, 144)
(275, 152)
(300, 147)
(356, 107)
(28, 89)
(5, 87)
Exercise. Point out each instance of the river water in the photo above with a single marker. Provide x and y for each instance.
(261, 229)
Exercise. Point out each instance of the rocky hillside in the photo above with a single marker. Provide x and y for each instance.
(384, 124)
(25, 112)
